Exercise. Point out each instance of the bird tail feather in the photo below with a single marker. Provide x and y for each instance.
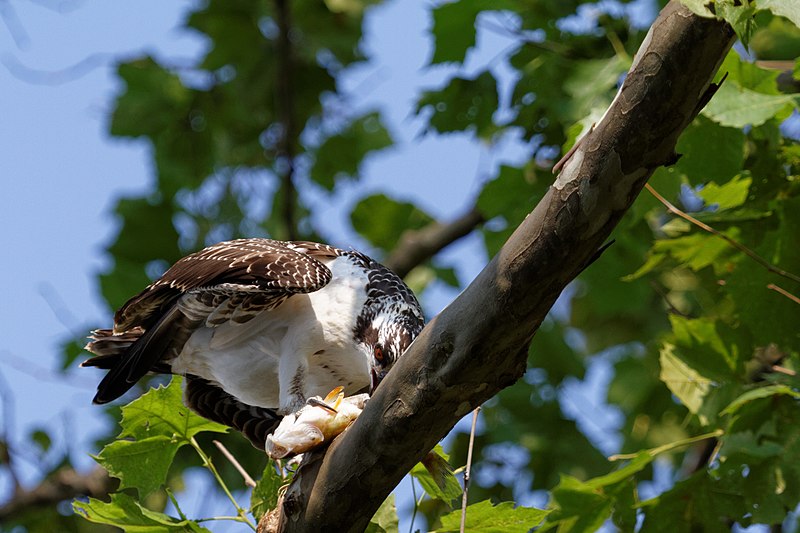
(109, 348)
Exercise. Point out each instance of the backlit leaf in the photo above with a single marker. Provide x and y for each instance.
(124, 512)
(265, 494)
(684, 382)
(739, 107)
(385, 519)
(483, 517)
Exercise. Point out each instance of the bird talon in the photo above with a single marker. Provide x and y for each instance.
(316, 402)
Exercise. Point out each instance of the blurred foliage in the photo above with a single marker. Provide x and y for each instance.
(699, 340)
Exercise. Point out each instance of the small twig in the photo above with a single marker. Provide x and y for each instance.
(783, 370)
(739, 246)
(468, 468)
(664, 296)
(416, 505)
(784, 292)
(229, 456)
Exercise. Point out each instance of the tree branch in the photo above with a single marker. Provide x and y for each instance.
(417, 246)
(285, 110)
(65, 484)
(478, 345)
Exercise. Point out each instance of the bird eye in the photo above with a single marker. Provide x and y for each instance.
(379, 354)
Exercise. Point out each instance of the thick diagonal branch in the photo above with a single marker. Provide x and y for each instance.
(479, 343)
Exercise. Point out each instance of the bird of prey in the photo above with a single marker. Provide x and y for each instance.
(257, 326)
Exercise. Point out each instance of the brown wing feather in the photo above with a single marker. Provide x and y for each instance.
(232, 280)
(261, 264)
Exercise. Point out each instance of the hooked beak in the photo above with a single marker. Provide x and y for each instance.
(376, 376)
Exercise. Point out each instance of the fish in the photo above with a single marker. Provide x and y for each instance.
(319, 421)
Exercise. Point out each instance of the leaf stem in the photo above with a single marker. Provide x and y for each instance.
(670, 446)
(416, 504)
(213, 518)
(175, 503)
(208, 464)
(739, 246)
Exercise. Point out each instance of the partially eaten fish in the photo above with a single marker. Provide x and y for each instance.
(320, 420)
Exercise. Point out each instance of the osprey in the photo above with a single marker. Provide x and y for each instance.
(257, 326)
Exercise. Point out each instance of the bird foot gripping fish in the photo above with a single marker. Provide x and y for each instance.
(320, 420)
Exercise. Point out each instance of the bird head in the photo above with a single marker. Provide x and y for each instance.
(386, 336)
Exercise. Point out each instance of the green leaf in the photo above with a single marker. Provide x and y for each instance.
(748, 75)
(126, 513)
(769, 316)
(463, 104)
(591, 84)
(760, 392)
(688, 385)
(728, 195)
(483, 517)
(340, 156)
(783, 8)
(157, 424)
(778, 40)
(140, 464)
(701, 165)
(578, 507)
(151, 97)
(42, 439)
(635, 465)
(511, 195)
(738, 107)
(71, 349)
(739, 15)
(694, 504)
(161, 412)
(453, 27)
(718, 359)
(381, 220)
(699, 7)
(697, 251)
(435, 475)
(265, 494)
(385, 519)
(146, 234)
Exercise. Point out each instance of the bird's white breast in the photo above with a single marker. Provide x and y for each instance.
(317, 328)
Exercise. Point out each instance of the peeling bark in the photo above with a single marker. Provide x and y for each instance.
(478, 345)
